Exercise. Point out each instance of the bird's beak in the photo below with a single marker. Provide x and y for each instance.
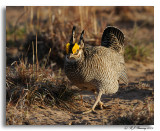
(71, 57)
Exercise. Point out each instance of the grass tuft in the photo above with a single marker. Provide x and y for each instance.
(134, 52)
(29, 86)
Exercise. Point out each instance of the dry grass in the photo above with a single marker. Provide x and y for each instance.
(28, 84)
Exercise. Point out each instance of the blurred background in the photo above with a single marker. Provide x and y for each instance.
(52, 27)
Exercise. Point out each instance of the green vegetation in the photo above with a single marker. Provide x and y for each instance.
(139, 53)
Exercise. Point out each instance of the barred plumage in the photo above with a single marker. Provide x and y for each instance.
(98, 68)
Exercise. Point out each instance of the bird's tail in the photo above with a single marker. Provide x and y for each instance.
(113, 38)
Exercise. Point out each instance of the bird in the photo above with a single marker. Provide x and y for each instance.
(97, 68)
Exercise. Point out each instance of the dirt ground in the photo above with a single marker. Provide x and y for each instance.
(121, 108)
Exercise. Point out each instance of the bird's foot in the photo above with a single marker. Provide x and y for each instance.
(89, 111)
(101, 105)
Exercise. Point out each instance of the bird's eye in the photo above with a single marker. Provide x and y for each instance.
(76, 52)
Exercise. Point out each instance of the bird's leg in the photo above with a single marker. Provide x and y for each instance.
(97, 100)
(82, 100)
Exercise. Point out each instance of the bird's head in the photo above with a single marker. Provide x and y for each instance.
(74, 50)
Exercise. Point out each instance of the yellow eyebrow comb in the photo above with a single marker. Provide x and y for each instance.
(67, 47)
(75, 48)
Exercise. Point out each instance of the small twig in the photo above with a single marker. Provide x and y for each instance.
(36, 58)
(47, 58)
